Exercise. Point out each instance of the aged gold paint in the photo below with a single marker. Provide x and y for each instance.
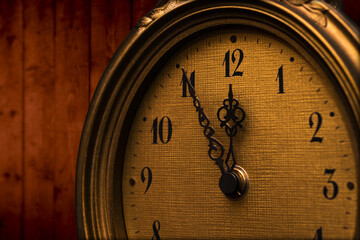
(286, 171)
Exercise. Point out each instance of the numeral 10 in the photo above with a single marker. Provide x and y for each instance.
(160, 131)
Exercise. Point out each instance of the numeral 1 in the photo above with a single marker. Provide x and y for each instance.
(281, 80)
(318, 234)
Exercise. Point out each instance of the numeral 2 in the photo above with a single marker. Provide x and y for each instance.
(233, 59)
(311, 123)
(155, 131)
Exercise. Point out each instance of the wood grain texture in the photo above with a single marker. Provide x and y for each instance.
(11, 119)
(110, 23)
(39, 119)
(71, 103)
(352, 9)
(46, 50)
(140, 8)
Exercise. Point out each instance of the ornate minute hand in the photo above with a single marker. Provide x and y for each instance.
(234, 181)
(214, 145)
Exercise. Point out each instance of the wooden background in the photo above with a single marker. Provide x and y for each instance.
(52, 54)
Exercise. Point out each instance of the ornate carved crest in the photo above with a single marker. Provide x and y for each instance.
(159, 10)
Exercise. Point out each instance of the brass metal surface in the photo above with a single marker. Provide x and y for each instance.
(286, 171)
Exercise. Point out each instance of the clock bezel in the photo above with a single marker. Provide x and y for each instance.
(169, 24)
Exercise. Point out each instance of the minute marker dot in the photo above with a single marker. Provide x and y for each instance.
(350, 185)
(132, 182)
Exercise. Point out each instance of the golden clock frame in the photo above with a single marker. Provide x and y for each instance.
(314, 25)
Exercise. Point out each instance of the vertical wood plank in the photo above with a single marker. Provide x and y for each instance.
(39, 118)
(110, 23)
(352, 9)
(140, 8)
(72, 101)
(11, 118)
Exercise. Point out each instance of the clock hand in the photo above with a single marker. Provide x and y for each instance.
(214, 145)
(234, 182)
(231, 120)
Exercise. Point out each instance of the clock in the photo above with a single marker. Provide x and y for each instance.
(226, 120)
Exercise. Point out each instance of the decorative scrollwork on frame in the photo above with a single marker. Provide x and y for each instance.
(163, 7)
(316, 10)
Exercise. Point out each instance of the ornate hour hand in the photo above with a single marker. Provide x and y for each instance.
(216, 149)
(231, 116)
(235, 182)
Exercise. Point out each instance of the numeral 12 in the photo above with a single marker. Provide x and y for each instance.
(233, 59)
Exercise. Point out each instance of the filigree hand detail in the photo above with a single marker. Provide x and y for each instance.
(232, 119)
(216, 149)
(234, 181)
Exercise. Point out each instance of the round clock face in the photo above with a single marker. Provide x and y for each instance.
(290, 134)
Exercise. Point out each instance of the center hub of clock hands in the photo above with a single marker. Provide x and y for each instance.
(234, 181)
